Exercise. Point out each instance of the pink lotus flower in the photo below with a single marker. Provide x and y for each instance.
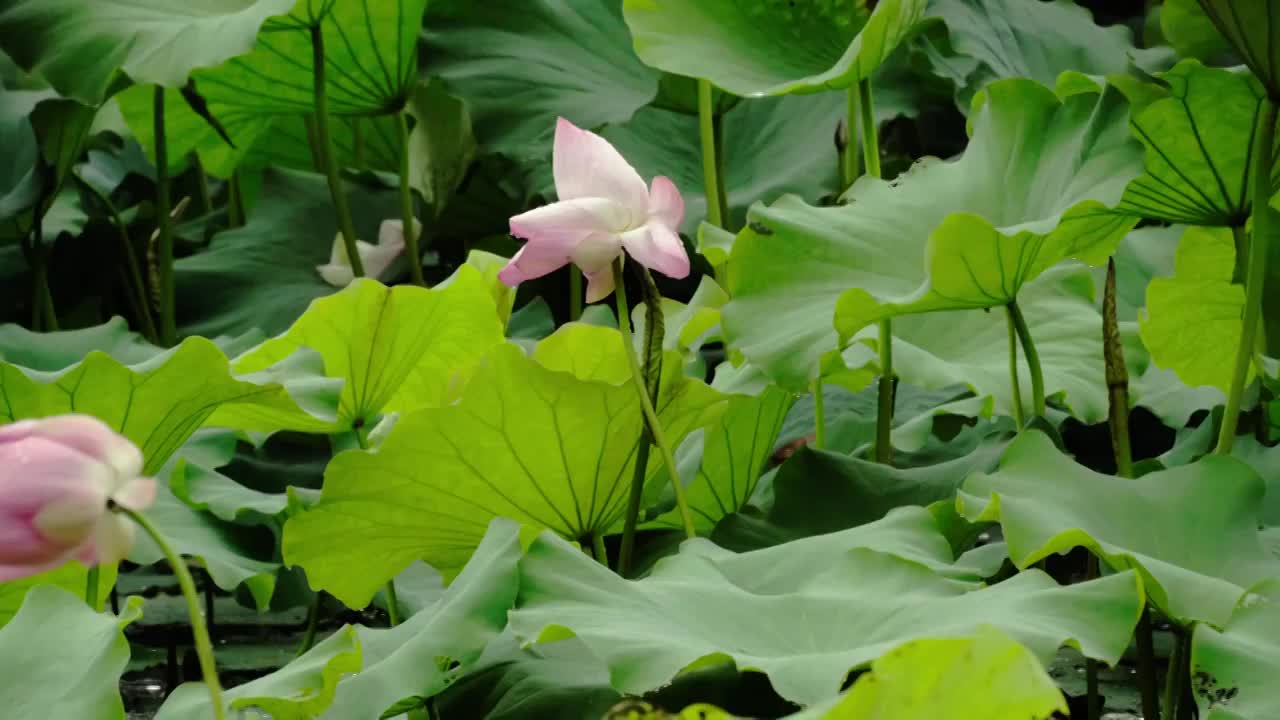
(375, 258)
(604, 209)
(57, 476)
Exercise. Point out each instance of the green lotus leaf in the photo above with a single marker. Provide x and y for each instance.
(53, 631)
(541, 440)
(987, 675)
(732, 453)
(771, 47)
(398, 349)
(1186, 28)
(1193, 315)
(370, 59)
(551, 58)
(1250, 27)
(1192, 573)
(987, 42)
(980, 243)
(1198, 137)
(838, 611)
(1233, 670)
(263, 275)
(79, 45)
(72, 577)
(362, 672)
(19, 186)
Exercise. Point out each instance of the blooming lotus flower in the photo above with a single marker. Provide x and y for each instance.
(375, 258)
(57, 478)
(604, 210)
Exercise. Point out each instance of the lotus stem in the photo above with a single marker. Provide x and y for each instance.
(92, 580)
(199, 631)
(235, 201)
(865, 105)
(646, 405)
(313, 623)
(1256, 274)
(655, 330)
(1015, 384)
(406, 204)
(1033, 358)
(710, 165)
(575, 293)
(325, 142)
(1147, 683)
(164, 226)
(133, 271)
(598, 549)
(393, 604)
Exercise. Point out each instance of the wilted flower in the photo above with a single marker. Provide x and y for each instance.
(604, 210)
(57, 478)
(375, 258)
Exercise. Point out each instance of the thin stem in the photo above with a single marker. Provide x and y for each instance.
(406, 205)
(202, 180)
(884, 395)
(91, 587)
(655, 331)
(1093, 700)
(650, 415)
(325, 142)
(1015, 384)
(393, 604)
(851, 164)
(43, 315)
(1117, 377)
(164, 242)
(575, 293)
(133, 270)
(313, 623)
(199, 631)
(235, 200)
(710, 166)
(1257, 272)
(870, 133)
(819, 416)
(717, 131)
(1033, 358)
(1176, 677)
(1147, 684)
(598, 549)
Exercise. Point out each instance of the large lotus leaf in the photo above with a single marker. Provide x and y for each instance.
(1233, 671)
(72, 577)
(263, 275)
(51, 352)
(1193, 315)
(817, 491)
(548, 57)
(358, 673)
(845, 609)
(441, 145)
(78, 45)
(370, 61)
(399, 348)
(986, 675)
(1188, 30)
(19, 186)
(991, 35)
(771, 47)
(361, 143)
(733, 455)
(157, 403)
(1251, 29)
(52, 633)
(1192, 572)
(1199, 141)
(981, 243)
(544, 446)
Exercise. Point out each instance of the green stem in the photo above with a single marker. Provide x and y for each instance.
(1117, 374)
(199, 631)
(575, 293)
(819, 416)
(313, 623)
(202, 179)
(655, 331)
(1093, 700)
(1015, 384)
(164, 242)
(406, 205)
(851, 166)
(717, 131)
(1257, 273)
(650, 415)
(710, 166)
(884, 395)
(340, 206)
(870, 133)
(91, 587)
(393, 603)
(598, 549)
(235, 201)
(133, 269)
(1148, 686)
(44, 317)
(1176, 677)
(1033, 358)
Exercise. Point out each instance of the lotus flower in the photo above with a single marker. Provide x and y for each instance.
(604, 210)
(375, 258)
(58, 477)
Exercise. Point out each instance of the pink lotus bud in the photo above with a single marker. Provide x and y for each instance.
(58, 476)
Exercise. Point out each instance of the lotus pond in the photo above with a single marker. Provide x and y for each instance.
(639, 359)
